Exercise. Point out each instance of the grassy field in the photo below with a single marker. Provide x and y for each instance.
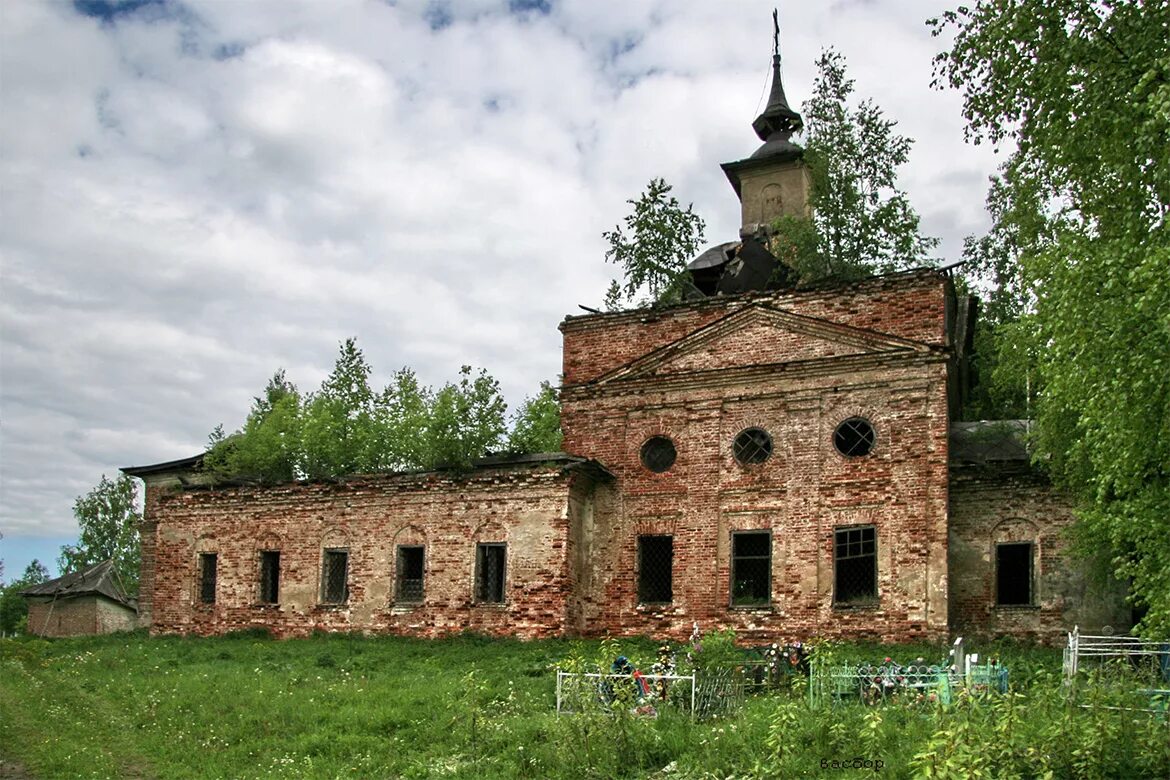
(348, 706)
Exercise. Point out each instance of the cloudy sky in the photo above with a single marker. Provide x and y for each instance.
(194, 193)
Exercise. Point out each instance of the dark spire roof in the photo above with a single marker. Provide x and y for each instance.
(778, 116)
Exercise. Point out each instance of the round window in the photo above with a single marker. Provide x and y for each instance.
(854, 438)
(752, 445)
(658, 454)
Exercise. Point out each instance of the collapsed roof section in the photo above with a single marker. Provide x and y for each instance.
(738, 267)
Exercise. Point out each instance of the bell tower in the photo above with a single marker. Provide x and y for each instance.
(775, 180)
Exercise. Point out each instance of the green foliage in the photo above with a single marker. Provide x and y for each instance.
(267, 448)
(13, 606)
(348, 428)
(338, 420)
(536, 426)
(1081, 246)
(108, 518)
(466, 421)
(862, 222)
(659, 238)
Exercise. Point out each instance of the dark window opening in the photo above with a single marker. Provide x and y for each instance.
(854, 438)
(855, 565)
(269, 577)
(410, 573)
(334, 577)
(1013, 574)
(207, 573)
(655, 569)
(658, 454)
(752, 445)
(751, 568)
(489, 573)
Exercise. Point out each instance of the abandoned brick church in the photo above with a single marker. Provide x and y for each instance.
(782, 461)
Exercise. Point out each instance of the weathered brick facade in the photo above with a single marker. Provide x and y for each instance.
(1000, 505)
(795, 365)
(527, 507)
(791, 366)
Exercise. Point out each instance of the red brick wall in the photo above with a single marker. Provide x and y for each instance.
(526, 508)
(77, 616)
(990, 506)
(911, 306)
(803, 492)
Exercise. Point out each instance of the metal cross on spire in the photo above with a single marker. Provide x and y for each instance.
(775, 32)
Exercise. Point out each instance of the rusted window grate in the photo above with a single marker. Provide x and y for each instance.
(208, 563)
(1013, 574)
(489, 572)
(334, 576)
(855, 565)
(854, 438)
(410, 573)
(655, 569)
(752, 445)
(269, 577)
(658, 454)
(751, 568)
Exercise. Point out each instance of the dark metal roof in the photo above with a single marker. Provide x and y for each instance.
(982, 442)
(101, 579)
(182, 464)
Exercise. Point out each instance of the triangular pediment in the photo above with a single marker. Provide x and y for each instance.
(759, 335)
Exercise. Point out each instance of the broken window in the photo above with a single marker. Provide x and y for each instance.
(207, 572)
(269, 576)
(752, 445)
(489, 572)
(410, 573)
(1013, 574)
(658, 454)
(751, 568)
(334, 577)
(854, 438)
(855, 565)
(655, 569)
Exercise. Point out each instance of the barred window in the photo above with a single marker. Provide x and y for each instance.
(334, 577)
(752, 445)
(655, 569)
(854, 438)
(269, 576)
(658, 454)
(410, 573)
(855, 565)
(208, 562)
(489, 572)
(1013, 574)
(751, 568)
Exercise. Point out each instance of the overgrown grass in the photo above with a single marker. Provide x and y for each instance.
(348, 706)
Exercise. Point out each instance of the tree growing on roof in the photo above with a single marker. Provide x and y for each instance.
(862, 222)
(1081, 90)
(659, 238)
(466, 420)
(108, 518)
(536, 426)
(267, 448)
(348, 428)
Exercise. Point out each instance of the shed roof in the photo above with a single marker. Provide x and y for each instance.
(101, 579)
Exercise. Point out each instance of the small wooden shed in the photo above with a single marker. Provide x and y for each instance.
(90, 601)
